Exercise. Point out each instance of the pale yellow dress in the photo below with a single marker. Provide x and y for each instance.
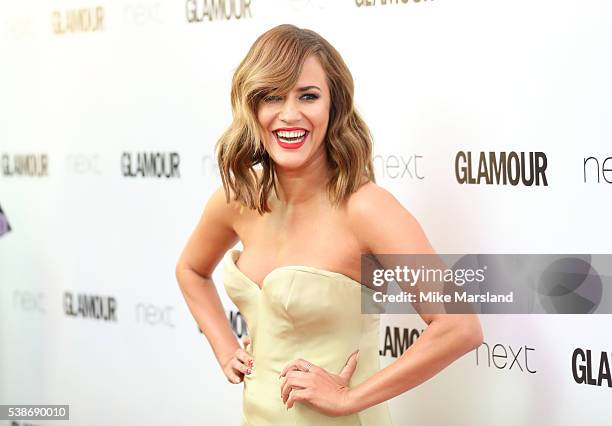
(302, 312)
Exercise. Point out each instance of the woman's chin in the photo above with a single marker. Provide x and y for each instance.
(283, 163)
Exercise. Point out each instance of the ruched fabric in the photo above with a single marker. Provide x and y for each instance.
(302, 312)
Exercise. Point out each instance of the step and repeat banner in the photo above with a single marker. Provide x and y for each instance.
(492, 125)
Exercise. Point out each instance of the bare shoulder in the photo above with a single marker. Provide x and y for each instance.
(371, 204)
(382, 224)
(213, 235)
(226, 210)
(221, 208)
(361, 201)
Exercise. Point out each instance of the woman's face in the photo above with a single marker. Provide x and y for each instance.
(294, 124)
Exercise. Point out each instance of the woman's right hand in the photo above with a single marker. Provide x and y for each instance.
(239, 364)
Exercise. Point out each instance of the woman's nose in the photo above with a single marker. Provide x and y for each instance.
(289, 112)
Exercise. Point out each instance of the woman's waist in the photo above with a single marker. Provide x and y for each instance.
(268, 365)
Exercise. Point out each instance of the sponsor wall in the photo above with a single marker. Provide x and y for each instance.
(491, 125)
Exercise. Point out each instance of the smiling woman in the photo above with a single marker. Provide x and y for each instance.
(305, 220)
(291, 76)
(307, 100)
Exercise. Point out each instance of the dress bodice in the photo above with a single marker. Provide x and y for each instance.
(302, 312)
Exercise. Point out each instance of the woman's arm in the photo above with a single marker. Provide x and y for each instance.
(212, 237)
(446, 338)
(390, 228)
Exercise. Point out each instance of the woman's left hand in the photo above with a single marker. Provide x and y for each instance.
(325, 391)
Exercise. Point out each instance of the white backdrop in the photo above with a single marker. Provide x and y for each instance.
(87, 87)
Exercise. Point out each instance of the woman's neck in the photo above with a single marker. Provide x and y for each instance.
(303, 186)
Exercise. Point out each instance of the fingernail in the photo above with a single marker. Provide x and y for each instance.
(248, 371)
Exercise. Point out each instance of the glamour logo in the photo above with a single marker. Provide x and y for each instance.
(33, 165)
(90, 306)
(78, 20)
(151, 314)
(398, 166)
(29, 301)
(594, 166)
(237, 322)
(218, 10)
(151, 164)
(397, 340)
(502, 168)
(582, 368)
(498, 355)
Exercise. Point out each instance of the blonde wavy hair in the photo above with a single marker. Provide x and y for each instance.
(272, 66)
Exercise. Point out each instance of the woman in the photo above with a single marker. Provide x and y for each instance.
(304, 219)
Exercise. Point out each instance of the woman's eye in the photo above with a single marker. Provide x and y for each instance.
(310, 96)
(271, 98)
(307, 97)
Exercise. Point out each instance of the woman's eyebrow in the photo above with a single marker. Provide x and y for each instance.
(305, 88)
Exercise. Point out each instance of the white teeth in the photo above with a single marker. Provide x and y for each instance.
(295, 139)
(292, 134)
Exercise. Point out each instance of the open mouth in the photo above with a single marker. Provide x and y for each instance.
(291, 137)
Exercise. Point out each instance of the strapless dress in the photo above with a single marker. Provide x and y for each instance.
(302, 312)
